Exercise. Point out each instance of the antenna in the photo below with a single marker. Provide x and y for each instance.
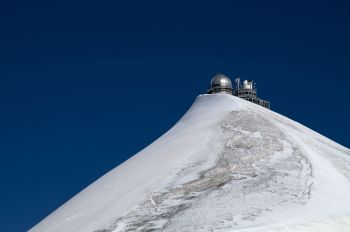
(238, 82)
(255, 87)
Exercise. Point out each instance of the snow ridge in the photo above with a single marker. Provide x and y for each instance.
(227, 165)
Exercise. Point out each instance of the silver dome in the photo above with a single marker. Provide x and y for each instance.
(220, 80)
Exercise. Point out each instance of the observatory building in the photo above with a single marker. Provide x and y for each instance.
(247, 90)
(220, 84)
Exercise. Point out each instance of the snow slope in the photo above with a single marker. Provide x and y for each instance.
(227, 165)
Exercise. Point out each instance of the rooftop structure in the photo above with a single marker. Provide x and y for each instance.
(247, 90)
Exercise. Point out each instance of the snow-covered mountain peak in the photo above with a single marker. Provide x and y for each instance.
(227, 165)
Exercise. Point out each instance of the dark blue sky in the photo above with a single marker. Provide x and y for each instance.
(86, 84)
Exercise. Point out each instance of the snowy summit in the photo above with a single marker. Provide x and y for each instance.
(228, 165)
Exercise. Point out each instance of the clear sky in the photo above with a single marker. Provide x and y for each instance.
(84, 85)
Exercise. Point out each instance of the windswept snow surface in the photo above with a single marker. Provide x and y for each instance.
(227, 165)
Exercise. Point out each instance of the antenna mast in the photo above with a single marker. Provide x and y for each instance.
(238, 83)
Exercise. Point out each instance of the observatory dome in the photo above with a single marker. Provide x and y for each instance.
(220, 84)
(220, 80)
